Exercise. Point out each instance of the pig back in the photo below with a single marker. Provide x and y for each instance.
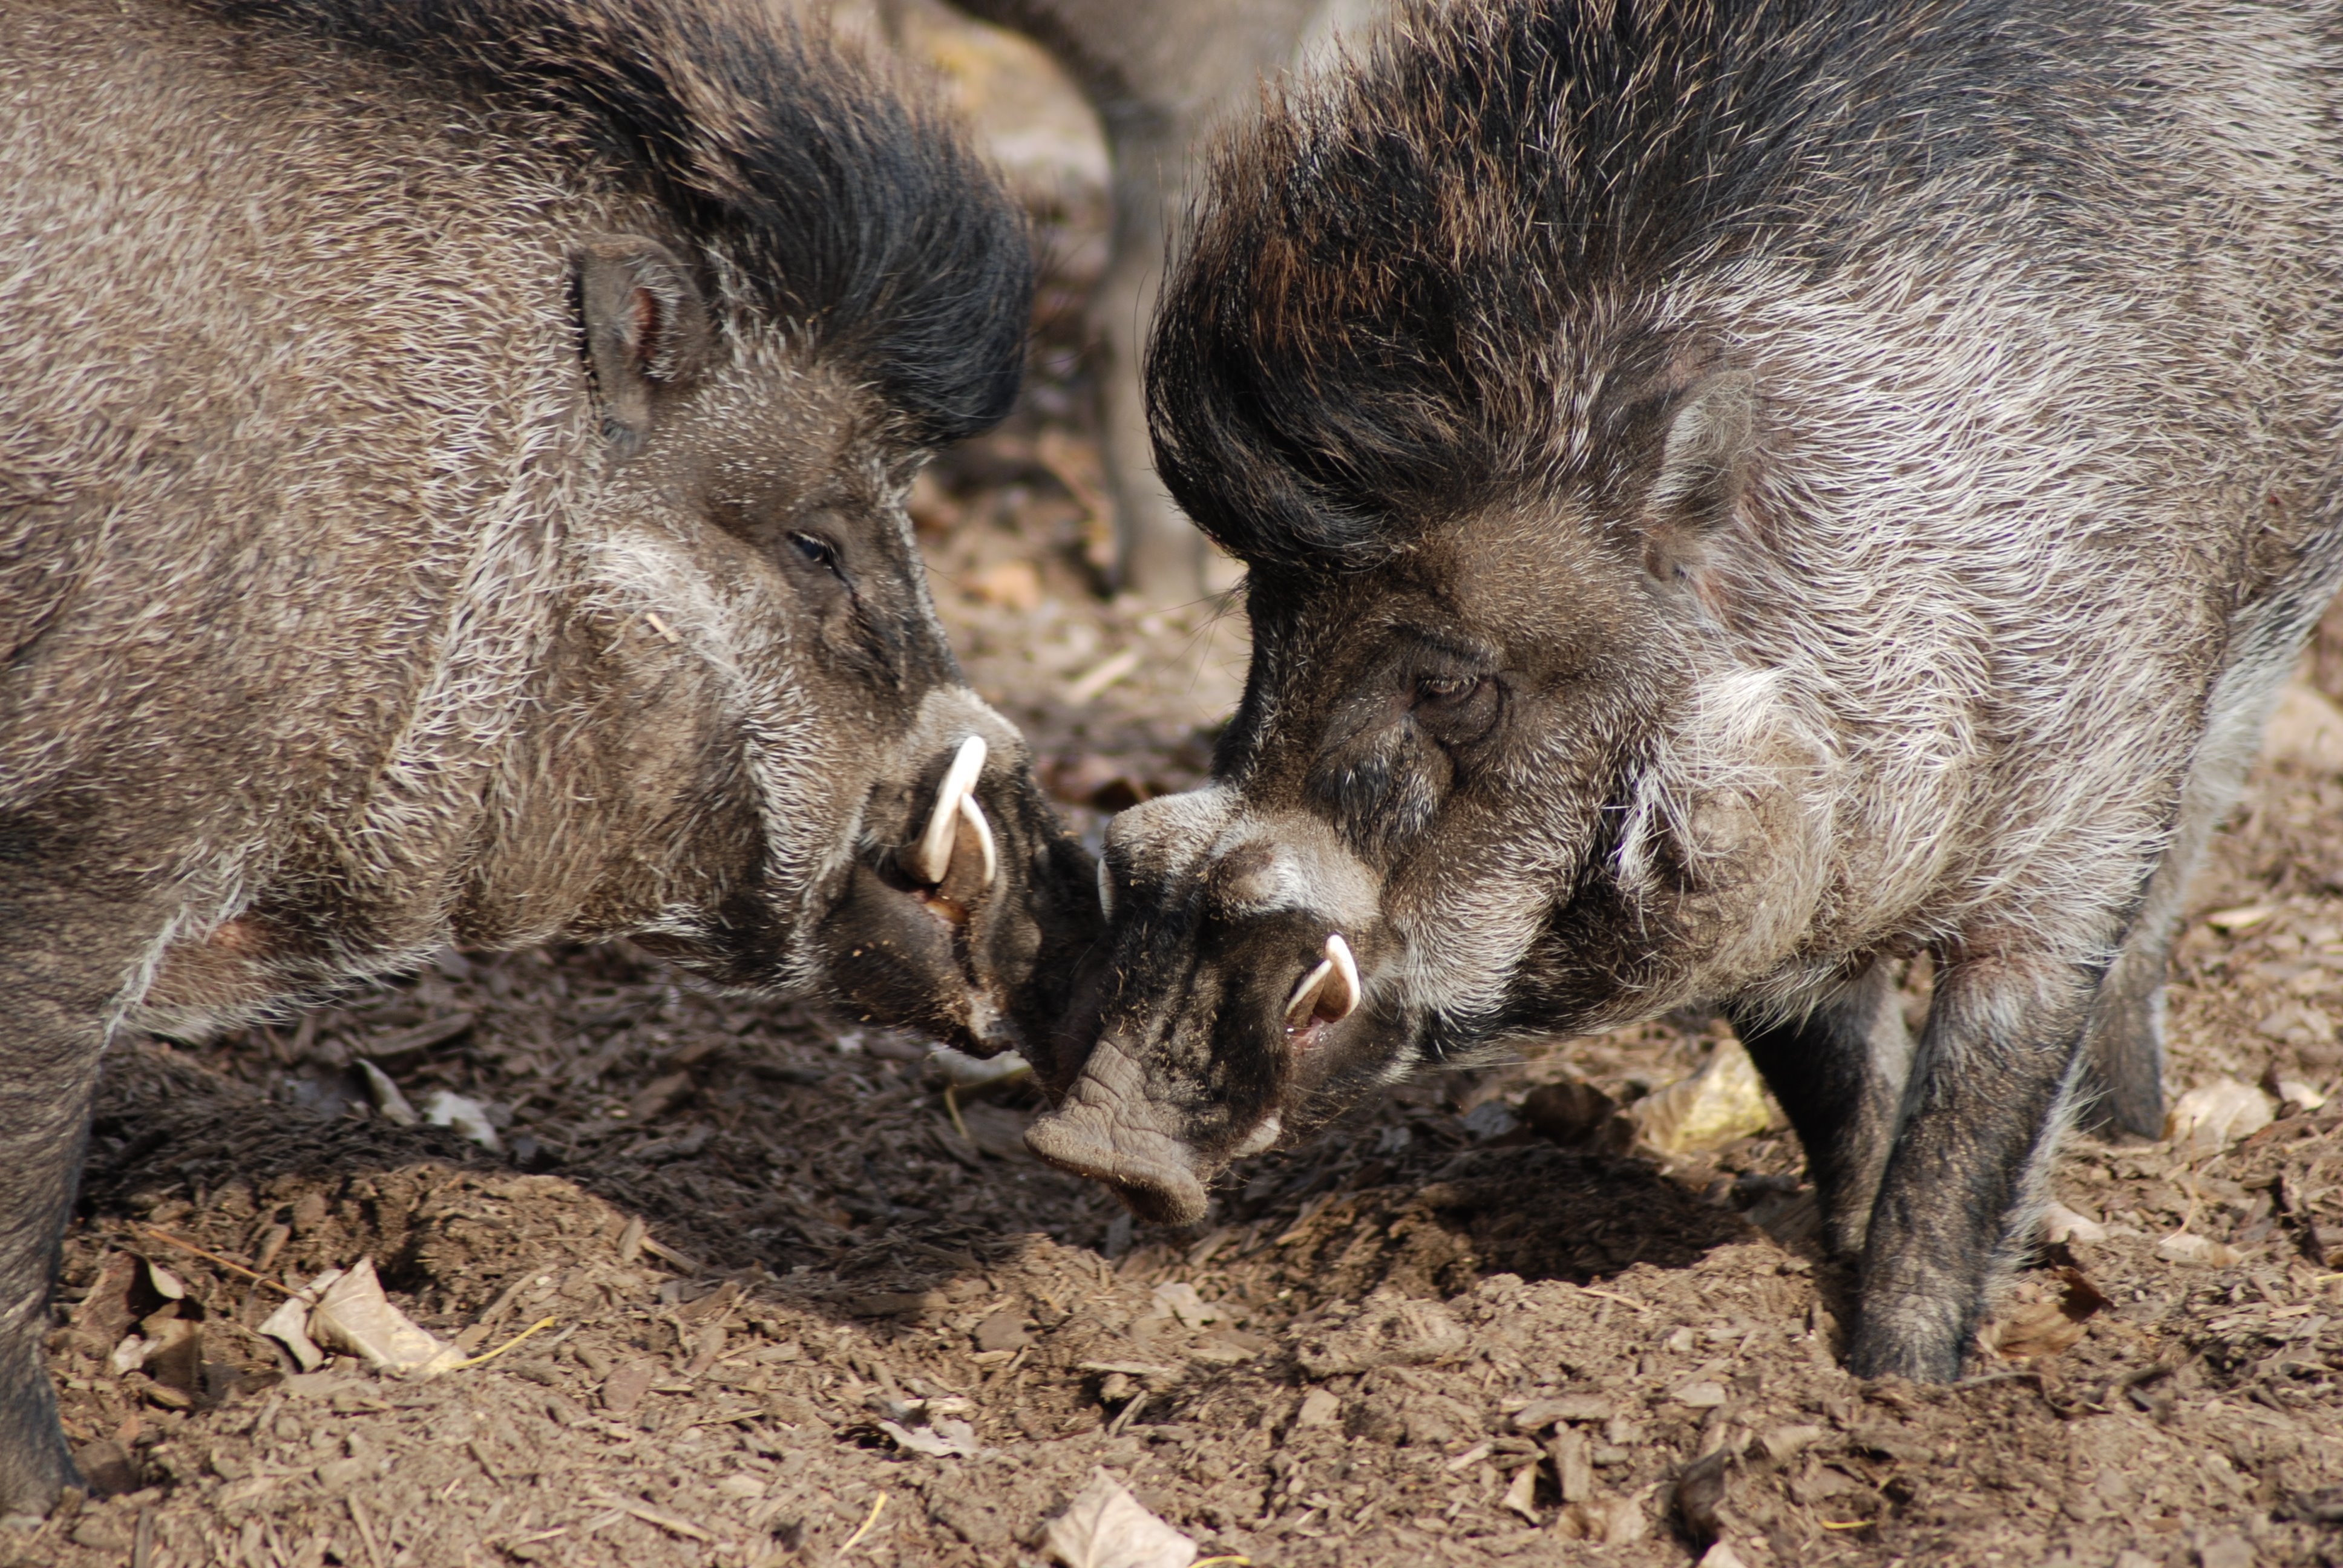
(296, 416)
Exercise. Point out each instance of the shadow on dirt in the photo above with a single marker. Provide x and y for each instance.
(166, 1125)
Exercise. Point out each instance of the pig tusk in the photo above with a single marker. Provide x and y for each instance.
(1304, 1001)
(1347, 990)
(974, 815)
(1106, 889)
(933, 857)
(1331, 991)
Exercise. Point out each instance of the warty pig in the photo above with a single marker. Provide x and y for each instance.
(452, 491)
(1736, 494)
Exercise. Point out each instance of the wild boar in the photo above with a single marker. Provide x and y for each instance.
(1736, 494)
(452, 492)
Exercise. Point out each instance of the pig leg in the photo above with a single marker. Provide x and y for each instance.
(1839, 1072)
(55, 995)
(2123, 1047)
(1991, 1087)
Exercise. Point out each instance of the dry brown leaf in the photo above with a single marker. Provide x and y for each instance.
(1723, 1102)
(1106, 1527)
(353, 1315)
(2216, 1115)
(2045, 1317)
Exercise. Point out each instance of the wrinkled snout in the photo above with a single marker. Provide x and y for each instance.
(961, 916)
(1109, 1128)
(1229, 1007)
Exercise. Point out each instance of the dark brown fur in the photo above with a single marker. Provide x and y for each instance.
(1735, 493)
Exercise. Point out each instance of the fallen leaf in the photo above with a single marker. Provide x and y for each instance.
(446, 1108)
(2239, 920)
(1699, 1493)
(388, 1103)
(1720, 1556)
(2196, 1251)
(353, 1315)
(1106, 1527)
(944, 1440)
(2216, 1115)
(1541, 1413)
(2047, 1318)
(1701, 1395)
(1606, 1520)
(2305, 729)
(288, 1325)
(1180, 1299)
(1723, 1102)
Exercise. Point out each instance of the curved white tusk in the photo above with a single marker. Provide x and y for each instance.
(1106, 889)
(1346, 975)
(933, 857)
(1305, 999)
(974, 814)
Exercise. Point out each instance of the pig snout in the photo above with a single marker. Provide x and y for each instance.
(937, 927)
(1109, 1128)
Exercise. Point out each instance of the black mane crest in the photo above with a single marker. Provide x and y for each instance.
(857, 208)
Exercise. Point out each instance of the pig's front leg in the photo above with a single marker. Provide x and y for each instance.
(52, 1008)
(1991, 1087)
(1839, 1072)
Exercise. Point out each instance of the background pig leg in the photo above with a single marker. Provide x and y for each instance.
(1839, 1072)
(2124, 1046)
(1991, 1086)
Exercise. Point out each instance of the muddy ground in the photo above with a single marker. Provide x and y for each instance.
(801, 1306)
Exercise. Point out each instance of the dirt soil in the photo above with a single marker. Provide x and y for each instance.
(803, 1306)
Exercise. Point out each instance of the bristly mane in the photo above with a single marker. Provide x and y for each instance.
(1393, 274)
(857, 209)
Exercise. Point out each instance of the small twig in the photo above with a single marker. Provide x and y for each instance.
(215, 1257)
(366, 1534)
(660, 625)
(1123, 1417)
(1847, 1524)
(664, 1520)
(1614, 1296)
(855, 1540)
(668, 1254)
(1231, 1561)
(533, 1328)
(951, 1105)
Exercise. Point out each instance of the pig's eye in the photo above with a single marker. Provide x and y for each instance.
(816, 551)
(1456, 709)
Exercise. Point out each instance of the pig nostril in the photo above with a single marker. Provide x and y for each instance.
(930, 859)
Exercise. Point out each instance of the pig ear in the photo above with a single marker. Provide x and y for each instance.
(1712, 431)
(645, 328)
